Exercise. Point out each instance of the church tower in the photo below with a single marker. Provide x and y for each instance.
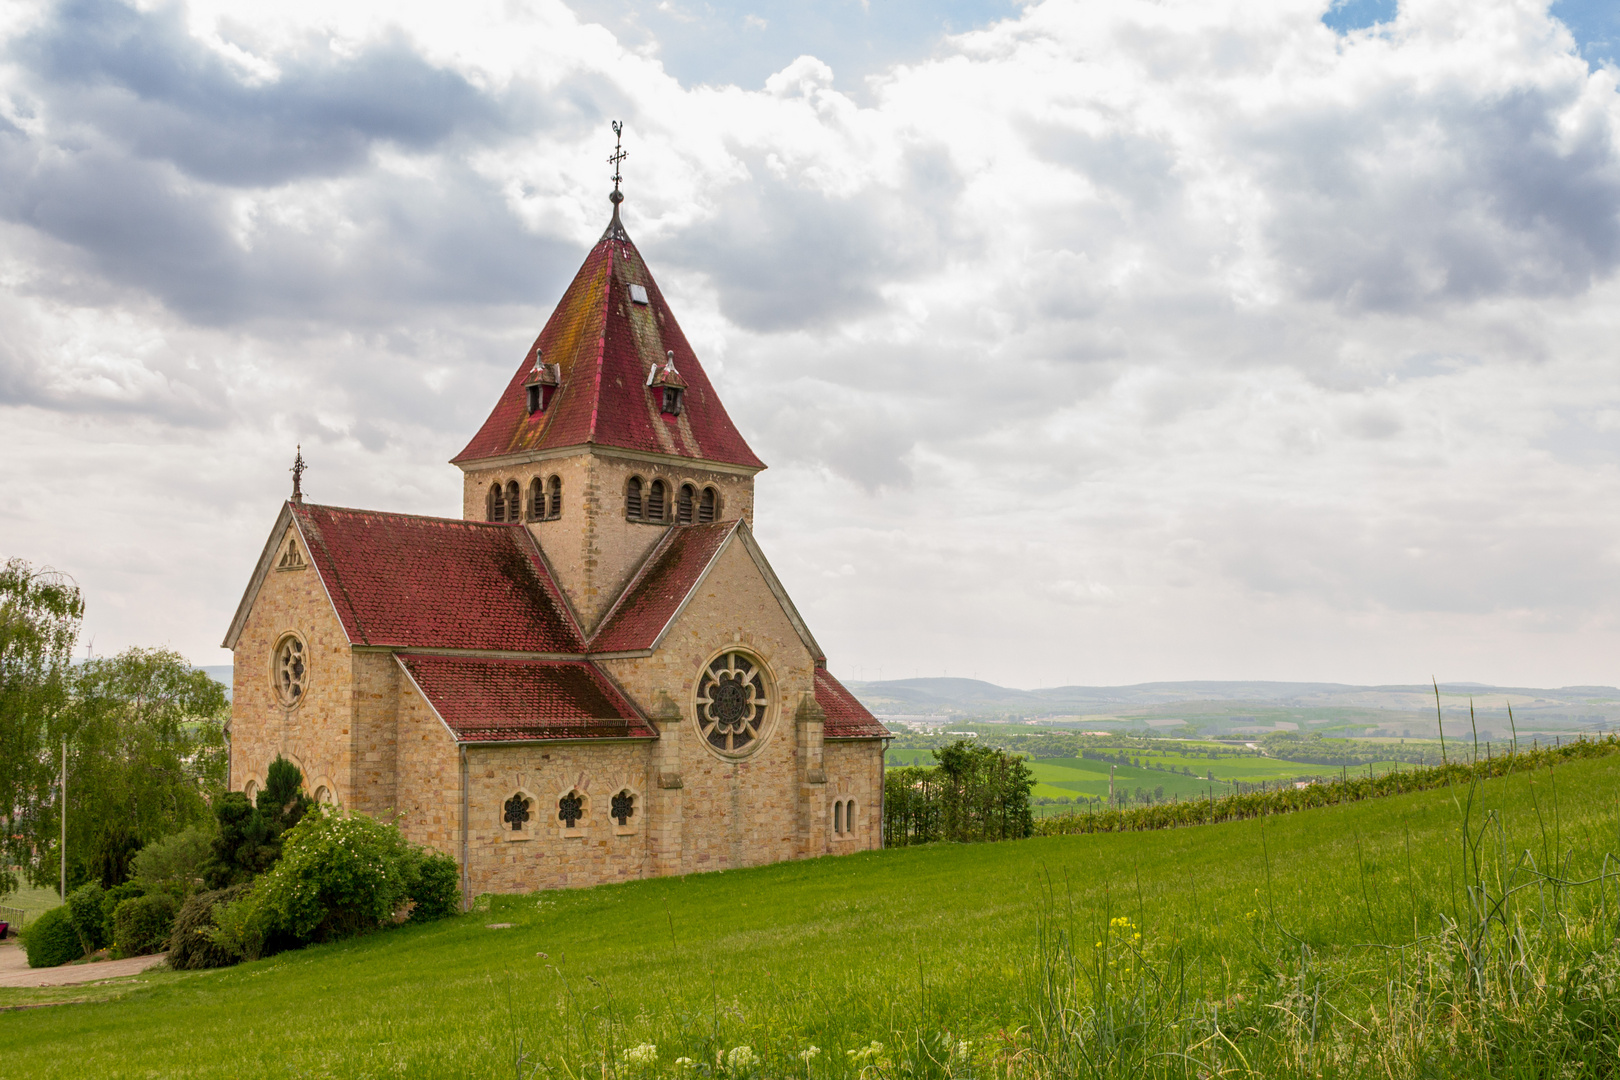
(608, 432)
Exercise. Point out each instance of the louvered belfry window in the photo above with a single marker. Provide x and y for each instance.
(632, 499)
(683, 505)
(497, 504)
(537, 500)
(514, 501)
(556, 498)
(655, 501)
(707, 506)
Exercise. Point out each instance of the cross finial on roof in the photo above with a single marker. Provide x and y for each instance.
(297, 470)
(619, 154)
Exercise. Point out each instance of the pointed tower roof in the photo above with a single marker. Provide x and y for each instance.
(608, 334)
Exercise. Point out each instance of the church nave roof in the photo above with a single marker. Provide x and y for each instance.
(488, 700)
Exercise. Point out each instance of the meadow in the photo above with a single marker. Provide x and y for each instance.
(1465, 931)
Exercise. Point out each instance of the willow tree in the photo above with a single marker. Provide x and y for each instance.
(40, 613)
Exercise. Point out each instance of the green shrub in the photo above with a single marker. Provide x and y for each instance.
(174, 864)
(191, 943)
(51, 940)
(435, 886)
(142, 924)
(84, 910)
(109, 905)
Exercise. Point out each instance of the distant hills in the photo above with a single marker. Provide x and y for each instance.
(1252, 707)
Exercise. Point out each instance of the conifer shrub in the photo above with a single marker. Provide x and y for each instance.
(142, 924)
(436, 888)
(191, 942)
(51, 939)
(84, 911)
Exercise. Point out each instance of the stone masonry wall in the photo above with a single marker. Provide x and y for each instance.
(855, 771)
(592, 547)
(428, 780)
(543, 853)
(315, 734)
(731, 813)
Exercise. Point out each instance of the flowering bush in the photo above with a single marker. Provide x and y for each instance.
(339, 875)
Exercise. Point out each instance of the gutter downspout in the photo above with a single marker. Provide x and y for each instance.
(466, 881)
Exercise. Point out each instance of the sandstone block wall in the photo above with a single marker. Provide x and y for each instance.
(855, 772)
(543, 853)
(316, 734)
(744, 812)
(592, 547)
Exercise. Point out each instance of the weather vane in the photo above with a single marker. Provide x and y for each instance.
(618, 156)
(297, 470)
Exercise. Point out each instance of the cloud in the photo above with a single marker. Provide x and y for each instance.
(1180, 340)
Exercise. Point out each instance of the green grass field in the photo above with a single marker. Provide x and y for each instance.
(951, 957)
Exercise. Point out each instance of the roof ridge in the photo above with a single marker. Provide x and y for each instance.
(646, 566)
(417, 517)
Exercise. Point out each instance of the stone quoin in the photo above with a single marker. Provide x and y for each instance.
(594, 675)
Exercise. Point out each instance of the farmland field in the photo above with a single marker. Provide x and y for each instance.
(942, 954)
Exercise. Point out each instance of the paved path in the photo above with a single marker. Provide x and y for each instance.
(14, 969)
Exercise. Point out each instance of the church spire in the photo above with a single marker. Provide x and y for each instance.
(615, 229)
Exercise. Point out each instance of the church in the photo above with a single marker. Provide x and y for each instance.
(593, 674)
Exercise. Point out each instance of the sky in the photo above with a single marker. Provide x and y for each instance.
(1086, 343)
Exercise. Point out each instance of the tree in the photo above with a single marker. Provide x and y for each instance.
(40, 612)
(247, 840)
(146, 756)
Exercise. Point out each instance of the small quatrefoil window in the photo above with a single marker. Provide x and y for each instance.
(517, 812)
(570, 808)
(623, 808)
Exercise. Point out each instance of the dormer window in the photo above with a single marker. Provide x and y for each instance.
(542, 383)
(667, 383)
(638, 294)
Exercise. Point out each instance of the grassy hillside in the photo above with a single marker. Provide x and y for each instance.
(1267, 947)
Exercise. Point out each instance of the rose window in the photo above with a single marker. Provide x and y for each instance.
(623, 808)
(570, 808)
(731, 702)
(290, 671)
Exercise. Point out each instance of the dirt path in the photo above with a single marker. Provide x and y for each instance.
(14, 969)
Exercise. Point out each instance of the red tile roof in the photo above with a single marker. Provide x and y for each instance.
(605, 346)
(403, 580)
(522, 700)
(665, 580)
(846, 717)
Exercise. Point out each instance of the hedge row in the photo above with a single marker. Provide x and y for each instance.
(1330, 793)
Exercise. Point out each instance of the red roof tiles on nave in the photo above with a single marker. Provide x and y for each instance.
(665, 580)
(485, 700)
(423, 582)
(605, 345)
(847, 718)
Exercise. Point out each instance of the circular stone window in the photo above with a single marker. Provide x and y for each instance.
(290, 670)
(731, 702)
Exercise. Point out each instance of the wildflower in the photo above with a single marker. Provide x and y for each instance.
(809, 1054)
(865, 1053)
(643, 1055)
(683, 1064)
(741, 1059)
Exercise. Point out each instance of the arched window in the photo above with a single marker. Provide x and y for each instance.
(683, 505)
(849, 816)
(655, 501)
(838, 818)
(537, 500)
(324, 796)
(497, 503)
(632, 499)
(556, 498)
(514, 502)
(708, 506)
(251, 790)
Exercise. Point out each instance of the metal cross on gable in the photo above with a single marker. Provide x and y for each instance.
(297, 470)
(619, 154)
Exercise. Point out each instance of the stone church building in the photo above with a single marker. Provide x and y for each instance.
(592, 675)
